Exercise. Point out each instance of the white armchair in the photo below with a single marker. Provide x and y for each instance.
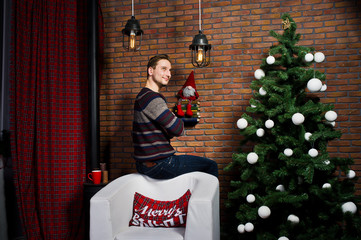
(111, 208)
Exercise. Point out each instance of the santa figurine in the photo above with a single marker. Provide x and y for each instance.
(188, 92)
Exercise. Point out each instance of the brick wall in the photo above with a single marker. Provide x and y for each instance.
(239, 33)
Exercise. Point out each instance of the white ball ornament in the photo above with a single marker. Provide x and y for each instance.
(313, 152)
(288, 152)
(298, 118)
(252, 158)
(242, 123)
(307, 136)
(319, 57)
(259, 73)
(326, 185)
(249, 227)
(270, 60)
(260, 132)
(349, 207)
(323, 88)
(264, 212)
(253, 106)
(262, 91)
(283, 238)
(293, 219)
(250, 198)
(269, 124)
(351, 174)
(309, 57)
(280, 188)
(331, 116)
(314, 85)
(327, 162)
(299, 180)
(240, 228)
(331, 123)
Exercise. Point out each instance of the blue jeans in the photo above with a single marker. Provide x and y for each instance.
(176, 165)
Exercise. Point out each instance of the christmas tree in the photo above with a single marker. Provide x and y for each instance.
(288, 186)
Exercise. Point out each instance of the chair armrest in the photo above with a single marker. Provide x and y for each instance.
(110, 210)
(203, 210)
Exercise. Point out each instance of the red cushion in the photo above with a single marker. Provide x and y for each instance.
(148, 212)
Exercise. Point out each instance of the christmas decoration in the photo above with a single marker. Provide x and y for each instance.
(270, 60)
(280, 188)
(288, 152)
(331, 116)
(195, 108)
(323, 88)
(314, 85)
(249, 227)
(300, 180)
(351, 174)
(250, 198)
(287, 183)
(313, 152)
(298, 118)
(331, 123)
(262, 91)
(188, 92)
(240, 228)
(349, 207)
(319, 57)
(269, 123)
(264, 212)
(252, 158)
(309, 57)
(259, 73)
(307, 136)
(260, 132)
(286, 24)
(293, 219)
(242, 123)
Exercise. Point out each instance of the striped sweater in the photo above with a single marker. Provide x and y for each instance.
(153, 127)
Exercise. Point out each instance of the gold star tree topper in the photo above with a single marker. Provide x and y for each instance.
(286, 24)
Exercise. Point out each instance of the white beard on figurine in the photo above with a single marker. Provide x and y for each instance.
(188, 92)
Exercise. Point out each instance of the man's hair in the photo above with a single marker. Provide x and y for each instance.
(153, 61)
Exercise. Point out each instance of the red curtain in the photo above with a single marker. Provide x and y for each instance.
(49, 115)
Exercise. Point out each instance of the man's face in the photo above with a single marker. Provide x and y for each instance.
(161, 73)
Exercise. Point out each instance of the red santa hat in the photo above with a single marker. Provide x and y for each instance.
(190, 82)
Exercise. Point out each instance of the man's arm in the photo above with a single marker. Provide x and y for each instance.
(157, 110)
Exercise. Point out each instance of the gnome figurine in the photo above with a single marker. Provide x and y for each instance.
(188, 92)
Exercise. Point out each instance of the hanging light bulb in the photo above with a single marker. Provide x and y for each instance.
(200, 47)
(132, 40)
(200, 55)
(132, 30)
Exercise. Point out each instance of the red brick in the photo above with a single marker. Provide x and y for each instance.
(250, 6)
(335, 23)
(323, 6)
(344, 4)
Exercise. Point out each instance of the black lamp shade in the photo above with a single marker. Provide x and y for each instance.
(132, 29)
(200, 50)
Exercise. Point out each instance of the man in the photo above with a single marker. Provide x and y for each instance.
(154, 125)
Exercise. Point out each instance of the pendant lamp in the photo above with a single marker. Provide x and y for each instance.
(131, 31)
(200, 48)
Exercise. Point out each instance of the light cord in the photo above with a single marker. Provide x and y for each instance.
(200, 16)
(132, 7)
